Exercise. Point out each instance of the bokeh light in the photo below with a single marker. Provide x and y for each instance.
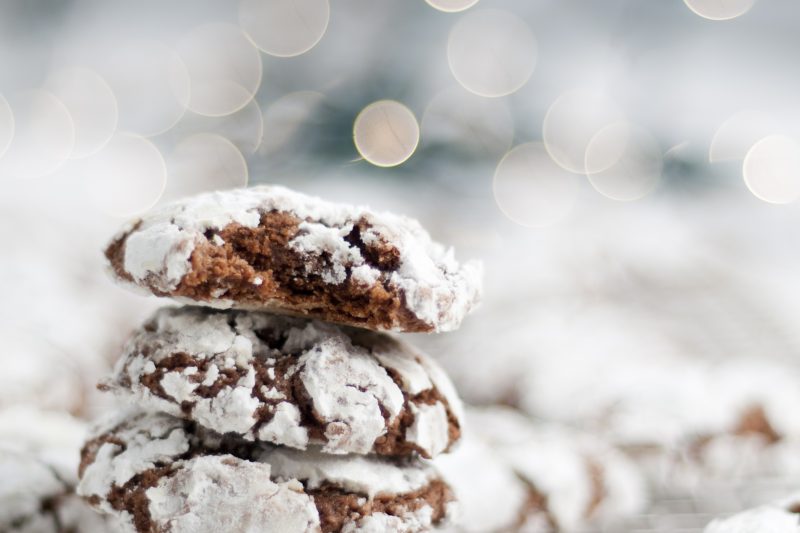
(204, 162)
(771, 169)
(285, 116)
(126, 177)
(386, 133)
(6, 125)
(451, 6)
(244, 128)
(224, 68)
(90, 103)
(483, 126)
(43, 139)
(491, 52)
(571, 121)
(739, 133)
(720, 9)
(284, 28)
(530, 189)
(151, 86)
(625, 161)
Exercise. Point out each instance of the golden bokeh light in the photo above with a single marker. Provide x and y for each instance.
(284, 28)
(386, 133)
(530, 189)
(451, 6)
(224, 68)
(6, 125)
(771, 169)
(150, 84)
(43, 135)
(720, 9)
(739, 133)
(491, 52)
(571, 121)
(204, 162)
(90, 103)
(626, 162)
(285, 116)
(455, 117)
(126, 177)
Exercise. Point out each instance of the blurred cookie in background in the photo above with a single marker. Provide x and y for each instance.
(39, 455)
(516, 475)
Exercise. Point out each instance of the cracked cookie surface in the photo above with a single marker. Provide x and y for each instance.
(271, 248)
(160, 473)
(290, 381)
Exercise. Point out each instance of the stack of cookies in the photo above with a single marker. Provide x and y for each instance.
(273, 402)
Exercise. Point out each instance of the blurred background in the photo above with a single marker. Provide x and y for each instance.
(627, 170)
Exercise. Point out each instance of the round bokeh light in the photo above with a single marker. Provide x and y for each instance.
(571, 121)
(204, 162)
(491, 52)
(6, 125)
(386, 133)
(626, 162)
(126, 177)
(224, 68)
(451, 6)
(771, 169)
(43, 136)
(284, 28)
(530, 189)
(91, 104)
(285, 116)
(150, 84)
(720, 9)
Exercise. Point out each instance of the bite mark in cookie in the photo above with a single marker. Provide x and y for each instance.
(274, 249)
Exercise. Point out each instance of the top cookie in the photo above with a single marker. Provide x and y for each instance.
(271, 248)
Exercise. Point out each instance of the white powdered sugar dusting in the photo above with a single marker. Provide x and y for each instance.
(262, 488)
(361, 474)
(210, 494)
(568, 467)
(429, 430)
(343, 371)
(436, 289)
(285, 427)
(349, 388)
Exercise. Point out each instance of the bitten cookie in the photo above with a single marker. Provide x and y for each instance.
(290, 381)
(163, 474)
(271, 248)
(780, 517)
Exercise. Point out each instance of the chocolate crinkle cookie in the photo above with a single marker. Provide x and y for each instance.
(270, 248)
(290, 381)
(159, 473)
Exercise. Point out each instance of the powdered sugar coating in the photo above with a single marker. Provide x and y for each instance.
(361, 474)
(436, 290)
(203, 482)
(585, 480)
(289, 381)
(779, 517)
(209, 494)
